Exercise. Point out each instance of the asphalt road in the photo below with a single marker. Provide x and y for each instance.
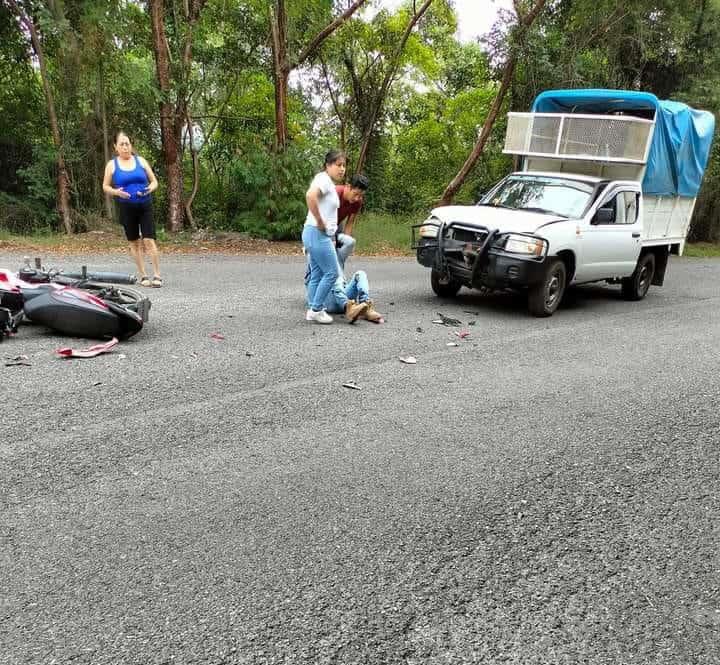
(544, 493)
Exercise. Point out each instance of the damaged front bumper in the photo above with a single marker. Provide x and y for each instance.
(475, 256)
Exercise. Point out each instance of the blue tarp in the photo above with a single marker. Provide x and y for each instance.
(680, 145)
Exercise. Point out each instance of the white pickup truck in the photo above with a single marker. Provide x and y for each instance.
(605, 192)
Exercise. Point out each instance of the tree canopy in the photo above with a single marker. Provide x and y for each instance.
(234, 102)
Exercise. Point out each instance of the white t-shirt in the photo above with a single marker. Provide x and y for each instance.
(328, 203)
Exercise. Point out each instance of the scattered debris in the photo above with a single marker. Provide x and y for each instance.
(391, 304)
(472, 323)
(122, 356)
(17, 361)
(418, 329)
(249, 354)
(463, 334)
(409, 360)
(90, 352)
(447, 320)
(469, 311)
(217, 336)
(352, 385)
(452, 344)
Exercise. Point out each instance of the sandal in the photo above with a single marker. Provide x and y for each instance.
(157, 282)
(145, 281)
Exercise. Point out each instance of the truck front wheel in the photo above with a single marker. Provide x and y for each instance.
(544, 298)
(443, 286)
(636, 286)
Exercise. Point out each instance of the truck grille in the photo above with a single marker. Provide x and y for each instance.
(466, 235)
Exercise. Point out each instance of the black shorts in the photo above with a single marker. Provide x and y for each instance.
(137, 220)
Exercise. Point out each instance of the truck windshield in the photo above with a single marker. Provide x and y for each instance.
(552, 196)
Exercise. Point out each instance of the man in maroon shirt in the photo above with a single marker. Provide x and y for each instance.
(351, 200)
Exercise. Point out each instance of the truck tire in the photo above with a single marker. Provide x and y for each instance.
(636, 286)
(445, 288)
(544, 298)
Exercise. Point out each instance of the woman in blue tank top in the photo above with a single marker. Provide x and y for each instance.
(130, 181)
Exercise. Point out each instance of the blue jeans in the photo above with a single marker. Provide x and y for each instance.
(357, 289)
(347, 247)
(324, 269)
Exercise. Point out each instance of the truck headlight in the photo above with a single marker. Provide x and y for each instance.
(519, 244)
(430, 228)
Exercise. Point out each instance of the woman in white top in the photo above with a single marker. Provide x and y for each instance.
(318, 233)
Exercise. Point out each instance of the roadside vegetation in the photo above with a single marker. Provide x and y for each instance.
(234, 102)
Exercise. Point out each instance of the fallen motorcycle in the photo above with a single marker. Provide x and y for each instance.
(77, 304)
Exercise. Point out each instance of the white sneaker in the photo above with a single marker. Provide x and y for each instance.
(318, 317)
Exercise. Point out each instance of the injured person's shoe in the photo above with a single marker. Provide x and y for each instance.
(371, 314)
(354, 310)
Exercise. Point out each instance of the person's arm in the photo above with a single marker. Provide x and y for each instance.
(152, 180)
(312, 197)
(107, 183)
(349, 223)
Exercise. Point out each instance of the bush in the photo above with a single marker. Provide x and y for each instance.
(25, 217)
(266, 193)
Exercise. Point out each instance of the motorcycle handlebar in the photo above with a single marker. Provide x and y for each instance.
(109, 277)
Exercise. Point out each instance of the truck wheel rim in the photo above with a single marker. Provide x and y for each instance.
(553, 290)
(643, 279)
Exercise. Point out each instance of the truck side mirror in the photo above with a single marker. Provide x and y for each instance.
(604, 216)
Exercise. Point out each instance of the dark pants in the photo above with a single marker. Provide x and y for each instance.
(137, 220)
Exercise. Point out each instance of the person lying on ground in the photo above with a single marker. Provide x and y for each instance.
(351, 298)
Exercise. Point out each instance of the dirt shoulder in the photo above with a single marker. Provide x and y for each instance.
(221, 242)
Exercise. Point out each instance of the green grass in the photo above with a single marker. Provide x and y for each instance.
(702, 249)
(379, 233)
(39, 237)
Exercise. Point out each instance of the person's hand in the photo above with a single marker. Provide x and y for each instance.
(121, 193)
(146, 192)
(321, 226)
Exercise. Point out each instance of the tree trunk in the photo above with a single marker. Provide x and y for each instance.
(389, 75)
(524, 22)
(281, 72)
(282, 66)
(63, 180)
(168, 121)
(196, 171)
(105, 136)
(336, 105)
(478, 148)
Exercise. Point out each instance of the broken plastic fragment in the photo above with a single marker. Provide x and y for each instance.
(408, 360)
(352, 385)
(452, 344)
(90, 352)
(448, 320)
(217, 336)
(15, 361)
(462, 334)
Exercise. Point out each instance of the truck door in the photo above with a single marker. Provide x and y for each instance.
(611, 238)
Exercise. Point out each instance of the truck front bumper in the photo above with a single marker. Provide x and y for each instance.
(475, 260)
